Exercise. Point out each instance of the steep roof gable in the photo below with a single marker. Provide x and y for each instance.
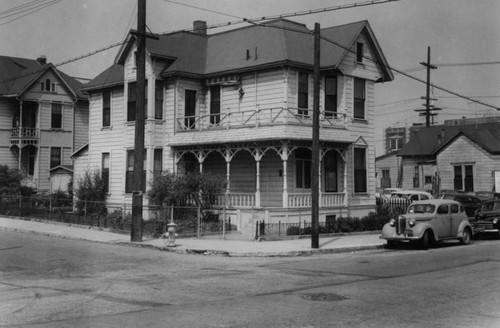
(430, 141)
(18, 74)
(269, 44)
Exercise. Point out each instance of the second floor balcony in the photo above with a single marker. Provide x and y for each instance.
(260, 117)
(23, 136)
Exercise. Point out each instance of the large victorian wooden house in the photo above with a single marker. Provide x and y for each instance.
(43, 119)
(239, 104)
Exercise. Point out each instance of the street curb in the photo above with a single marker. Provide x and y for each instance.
(207, 251)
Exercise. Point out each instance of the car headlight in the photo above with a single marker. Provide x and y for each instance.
(392, 222)
(495, 221)
(411, 223)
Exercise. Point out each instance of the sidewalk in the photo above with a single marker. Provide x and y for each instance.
(234, 244)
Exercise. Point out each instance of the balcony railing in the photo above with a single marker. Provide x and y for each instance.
(24, 136)
(259, 117)
(29, 133)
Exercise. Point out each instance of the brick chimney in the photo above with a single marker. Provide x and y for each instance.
(200, 27)
(42, 60)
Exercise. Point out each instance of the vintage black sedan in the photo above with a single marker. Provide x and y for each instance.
(429, 221)
(487, 219)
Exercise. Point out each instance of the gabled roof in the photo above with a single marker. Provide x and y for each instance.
(271, 44)
(381, 157)
(79, 151)
(430, 141)
(18, 74)
(67, 168)
(111, 77)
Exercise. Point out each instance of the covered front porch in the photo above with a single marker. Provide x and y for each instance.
(274, 174)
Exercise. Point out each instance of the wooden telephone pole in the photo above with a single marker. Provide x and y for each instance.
(138, 179)
(315, 143)
(428, 107)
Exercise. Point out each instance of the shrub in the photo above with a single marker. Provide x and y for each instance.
(293, 231)
(90, 192)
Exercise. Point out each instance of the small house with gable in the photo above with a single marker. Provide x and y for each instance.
(43, 119)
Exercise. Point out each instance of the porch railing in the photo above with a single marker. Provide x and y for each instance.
(236, 200)
(258, 117)
(305, 199)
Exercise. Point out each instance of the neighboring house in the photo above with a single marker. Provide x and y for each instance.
(388, 170)
(239, 104)
(462, 157)
(395, 138)
(43, 119)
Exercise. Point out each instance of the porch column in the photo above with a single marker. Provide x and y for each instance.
(257, 154)
(322, 153)
(345, 182)
(228, 156)
(177, 159)
(284, 153)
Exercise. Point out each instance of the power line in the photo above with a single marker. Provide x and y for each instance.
(287, 15)
(32, 11)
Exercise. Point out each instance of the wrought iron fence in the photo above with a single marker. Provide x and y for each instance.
(190, 220)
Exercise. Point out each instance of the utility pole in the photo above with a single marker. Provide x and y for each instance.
(428, 107)
(315, 143)
(138, 181)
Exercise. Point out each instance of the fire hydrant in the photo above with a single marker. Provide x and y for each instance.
(170, 234)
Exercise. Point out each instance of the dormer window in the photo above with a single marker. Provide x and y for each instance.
(359, 52)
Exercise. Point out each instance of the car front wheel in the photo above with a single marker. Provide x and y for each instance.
(427, 240)
(467, 235)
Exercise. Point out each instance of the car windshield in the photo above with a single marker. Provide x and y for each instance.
(421, 208)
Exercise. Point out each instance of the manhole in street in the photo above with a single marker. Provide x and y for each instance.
(323, 297)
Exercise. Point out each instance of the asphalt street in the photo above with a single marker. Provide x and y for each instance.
(53, 282)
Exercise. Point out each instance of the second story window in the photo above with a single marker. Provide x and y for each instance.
(330, 96)
(106, 108)
(359, 98)
(158, 99)
(190, 109)
(215, 92)
(359, 52)
(132, 101)
(132, 97)
(303, 94)
(55, 156)
(56, 116)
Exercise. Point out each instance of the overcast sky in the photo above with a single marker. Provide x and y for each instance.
(458, 31)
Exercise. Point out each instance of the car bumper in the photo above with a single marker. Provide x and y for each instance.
(401, 238)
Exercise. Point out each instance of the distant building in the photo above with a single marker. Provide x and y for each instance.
(44, 118)
(461, 154)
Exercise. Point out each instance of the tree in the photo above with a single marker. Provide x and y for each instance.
(10, 180)
(182, 190)
(91, 194)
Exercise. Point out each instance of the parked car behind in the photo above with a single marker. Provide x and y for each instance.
(487, 219)
(386, 192)
(470, 203)
(412, 195)
(427, 222)
(487, 195)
